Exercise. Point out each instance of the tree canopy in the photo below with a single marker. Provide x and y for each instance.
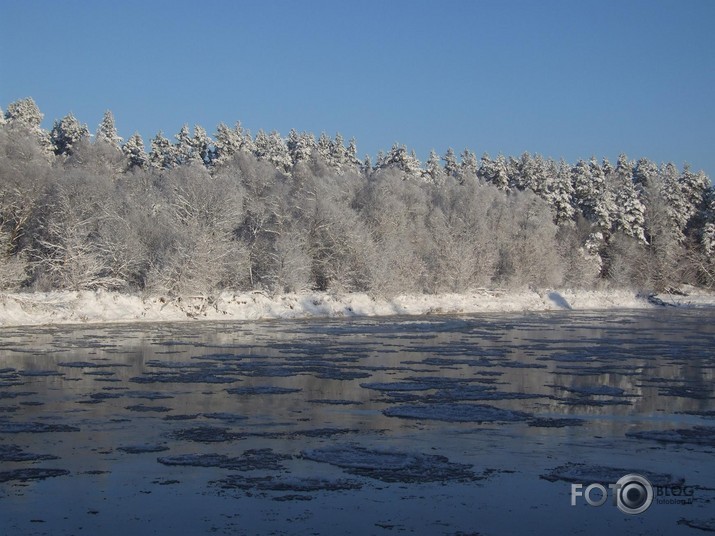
(237, 211)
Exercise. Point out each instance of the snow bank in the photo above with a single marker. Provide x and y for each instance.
(85, 307)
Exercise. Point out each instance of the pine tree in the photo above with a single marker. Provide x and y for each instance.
(261, 145)
(468, 166)
(163, 153)
(24, 112)
(399, 158)
(272, 148)
(324, 147)
(294, 148)
(135, 153)
(583, 189)
(628, 210)
(562, 194)
(300, 146)
(338, 155)
(678, 207)
(694, 187)
(542, 176)
(643, 173)
(353, 159)
(523, 176)
(201, 144)
(67, 133)
(433, 168)
(602, 202)
(107, 132)
(279, 156)
(25, 115)
(606, 166)
(228, 143)
(184, 146)
(494, 171)
(451, 169)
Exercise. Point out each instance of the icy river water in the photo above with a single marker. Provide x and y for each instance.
(423, 425)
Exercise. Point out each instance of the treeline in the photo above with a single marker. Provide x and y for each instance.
(199, 215)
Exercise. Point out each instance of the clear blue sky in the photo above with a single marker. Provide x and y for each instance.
(570, 78)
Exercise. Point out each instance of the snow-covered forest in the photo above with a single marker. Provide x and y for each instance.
(198, 214)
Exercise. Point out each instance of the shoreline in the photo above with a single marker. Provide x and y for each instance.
(88, 307)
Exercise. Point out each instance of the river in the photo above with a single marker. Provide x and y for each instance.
(480, 424)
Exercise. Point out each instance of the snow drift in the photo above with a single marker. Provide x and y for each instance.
(86, 306)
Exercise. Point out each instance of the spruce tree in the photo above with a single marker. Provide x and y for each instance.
(107, 131)
(162, 154)
(451, 169)
(67, 133)
(433, 168)
(135, 153)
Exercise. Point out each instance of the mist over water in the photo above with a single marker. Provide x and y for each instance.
(428, 425)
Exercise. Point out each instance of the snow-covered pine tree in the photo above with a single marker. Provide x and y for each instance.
(541, 176)
(261, 145)
(338, 154)
(606, 167)
(135, 152)
(561, 193)
(468, 167)
(433, 168)
(643, 174)
(603, 203)
(352, 157)
(184, 146)
(523, 176)
(67, 133)
(494, 171)
(272, 148)
(278, 152)
(295, 148)
(107, 131)
(629, 212)
(227, 143)
(25, 115)
(451, 168)
(694, 188)
(248, 143)
(162, 154)
(583, 189)
(677, 205)
(201, 144)
(24, 112)
(324, 147)
(399, 158)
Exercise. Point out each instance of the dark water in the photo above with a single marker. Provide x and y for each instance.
(432, 425)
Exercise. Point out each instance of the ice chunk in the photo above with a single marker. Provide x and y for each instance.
(698, 435)
(391, 465)
(34, 428)
(583, 474)
(456, 413)
(250, 460)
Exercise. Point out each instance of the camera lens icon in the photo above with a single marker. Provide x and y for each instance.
(634, 494)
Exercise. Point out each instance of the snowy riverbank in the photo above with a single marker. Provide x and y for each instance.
(88, 307)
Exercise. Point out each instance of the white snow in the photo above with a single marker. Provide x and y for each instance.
(98, 307)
